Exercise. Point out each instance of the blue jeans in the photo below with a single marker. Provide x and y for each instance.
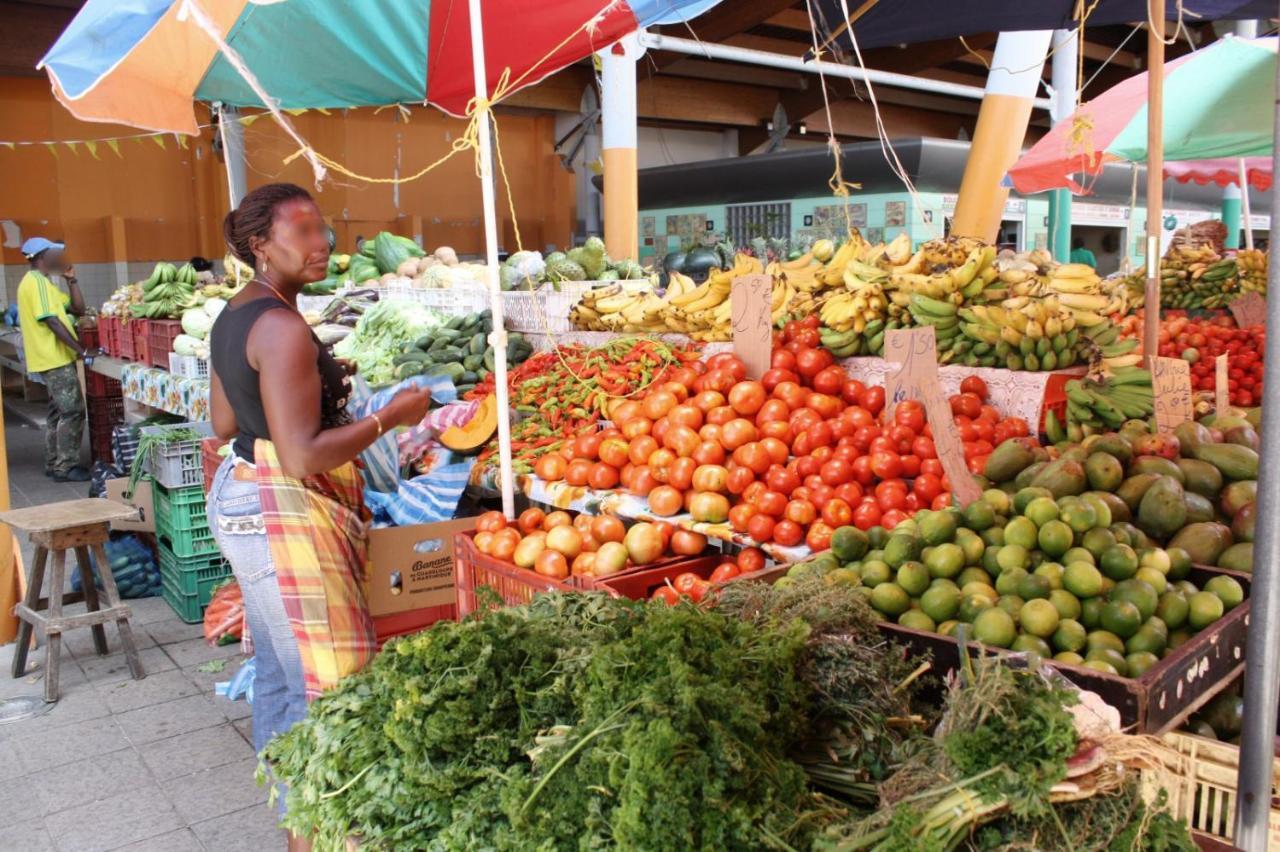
(235, 516)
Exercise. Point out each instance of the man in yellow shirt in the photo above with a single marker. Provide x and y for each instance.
(51, 348)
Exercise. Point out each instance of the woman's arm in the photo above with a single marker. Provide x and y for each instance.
(224, 419)
(290, 384)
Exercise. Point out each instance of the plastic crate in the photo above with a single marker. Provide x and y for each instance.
(107, 410)
(89, 337)
(188, 366)
(187, 584)
(141, 341)
(109, 335)
(514, 585)
(1201, 784)
(210, 460)
(160, 337)
(96, 385)
(177, 464)
(101, 447)
(1055, 399)
(127, 340)
(182, 522)
(640, 585)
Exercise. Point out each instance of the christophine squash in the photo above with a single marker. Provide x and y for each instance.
(477, 431)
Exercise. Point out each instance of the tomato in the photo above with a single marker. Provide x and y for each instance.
(642, 481)
(740, 516)
(681, 440)
(862, 472)
(550, 468)
(968, 404)
(708, 400)
(484, 542)
(491, 522)
(810, 362)
(827, 406)
(624, 411)
(530, 520)
(923, 448)
(687, 543)
(660, 464)
(910, 413)
(892, 518)
(792, 394)
(665, 595)
(740, 479)
(927, 487)
(761, 527)
(710, 477)
(801, 512)
(637, 427)
(615, 452)
(685, 376)
(782, 480)
(641, 449)
(976, 464)
(686, 583)
(710, 432)
(829, 380)
(820, 435)
(910, 465)
(707, 507)
(782, 359)
(866, 515)
(730, 362)
(872, 399)
(686, 414)
(578, 472)
(753, 456)
(658, 403)
(975, 386)
(551, 563)
(772, 504)
(724, 573)
(836, 472)
(819, 536)
(660, 428)
(886, 465)
(902, 436)
(721, 381)
(864, 435)
(738, 432)
(665, 501)
(942, 501)
(680, 474)
(747, 398)
(851, 391)
(893, 499)
(837, 513)
(788, 533)
(859, 417)
(820, 494)
(850, 492)
(774, 377)
(773, 409)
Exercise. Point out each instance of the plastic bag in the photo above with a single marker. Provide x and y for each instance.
(99, 475)
(133, 566)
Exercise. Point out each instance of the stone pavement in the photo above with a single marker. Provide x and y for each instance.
(157, 764)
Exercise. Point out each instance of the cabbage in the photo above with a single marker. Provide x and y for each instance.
(196, 323)
(213, 307)
(185, 344)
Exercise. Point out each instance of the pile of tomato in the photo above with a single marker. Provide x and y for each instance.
(786, 459)
(1201, 341)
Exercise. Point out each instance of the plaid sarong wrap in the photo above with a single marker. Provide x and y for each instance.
(317, 530)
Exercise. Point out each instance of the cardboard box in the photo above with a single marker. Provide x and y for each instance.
(141, 501)
(411, 568)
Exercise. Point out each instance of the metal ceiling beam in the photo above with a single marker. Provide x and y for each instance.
(748, 56)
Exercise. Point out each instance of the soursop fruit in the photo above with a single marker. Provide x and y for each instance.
(610, 275)
(566, 270)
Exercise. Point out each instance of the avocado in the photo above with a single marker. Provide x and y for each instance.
(1201, 477)
(1236, 462)
(1244, 436)
(1024, 478)
(1203, 542)
(1008, 460)
(1120, 510)
(1163, 510)
(1237, 557)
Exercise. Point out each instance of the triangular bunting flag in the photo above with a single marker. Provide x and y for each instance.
(323, 111)
(182, 140)
(159, 140)
(295, 112)
(114, 144)
(53, 149)
(93, 149)
(72, 146)
(246, 120)
(9, 145)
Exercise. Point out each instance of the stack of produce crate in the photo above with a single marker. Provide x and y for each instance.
(105, 403)
(191, 567)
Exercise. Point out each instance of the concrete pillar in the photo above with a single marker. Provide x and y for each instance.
(1066, 57)
(618, 111)
(1231, 215)
(1002, 125)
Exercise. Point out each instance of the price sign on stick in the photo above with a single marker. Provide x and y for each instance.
(1249, 309)
(1221, 392)
(1171, 384)
(751, 302)
(917, 378)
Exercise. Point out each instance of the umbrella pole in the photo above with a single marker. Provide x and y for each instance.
(1155, 173)
(1244, 205)
(1262, 674)
(498, 338)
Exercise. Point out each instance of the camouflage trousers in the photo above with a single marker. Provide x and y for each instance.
(64, 429)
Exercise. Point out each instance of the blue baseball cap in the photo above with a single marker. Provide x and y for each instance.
(35, 245)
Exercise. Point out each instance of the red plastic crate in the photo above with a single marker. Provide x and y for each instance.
(98, 386)
(210, 461)
(108, 410)
(160, 337)
(387, 627)
(109, 335)
(88, 337)
(100, 440)
(127, 341)
(141, 339)
(513, 584)
(1055, 398)
(640, 585)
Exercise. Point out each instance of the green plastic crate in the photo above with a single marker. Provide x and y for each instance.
(188, 607)
(192, 578)
(180, 508)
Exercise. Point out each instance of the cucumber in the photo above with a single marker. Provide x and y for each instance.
(446, 353)
(423, 343)
(413, 357)
(468, 378)
(454, 323)
(478, 343)
(409, 369)
(464, 389)
(454, 371)
(488, 360)
(473, 362)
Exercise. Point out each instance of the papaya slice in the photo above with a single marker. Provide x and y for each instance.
(477, 431)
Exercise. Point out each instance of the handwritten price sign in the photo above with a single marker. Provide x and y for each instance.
(1221, 391)
(916, 350)
(1171, 383)
(751, 302)
(1249, 309)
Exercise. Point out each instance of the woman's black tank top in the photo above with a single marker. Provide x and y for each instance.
(229, 359)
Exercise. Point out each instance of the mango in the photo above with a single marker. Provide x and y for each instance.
(1113, 444)
(1119, 509)
(1008, 460)
(1200, 477)
(1237, 495)
(1242, 525)
(1064, 477)
(1237, 557)
(1132, 489)
(1163, 510)
(1156, 464)
(1199, 507)
(1203, 542)
(1028, 474)
(1243, 436)
(1233, 460)
(1105, 472)
(1190, 435)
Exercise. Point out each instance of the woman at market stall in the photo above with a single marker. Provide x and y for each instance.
(286, 505)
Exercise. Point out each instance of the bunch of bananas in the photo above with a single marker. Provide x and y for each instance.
(1103, 405)
(1251, 270)
(1079, 290)
(1021, 333)
(622, 307)
(1196, 277)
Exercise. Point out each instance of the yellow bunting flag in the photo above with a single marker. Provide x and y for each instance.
(93, 148)
(247, 120)
(182, 140)
(53, 149)
(295, 112)
(159, 140)
(9, 145)
(72, 146)
(114, 144)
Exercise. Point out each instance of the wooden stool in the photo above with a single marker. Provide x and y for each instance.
(79, 525)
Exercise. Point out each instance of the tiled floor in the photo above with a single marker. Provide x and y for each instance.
(156, 764)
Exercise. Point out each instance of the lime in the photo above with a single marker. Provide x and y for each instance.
(1121, 532)
(1011, 604)
(878, 537)
(1100, 508)
(1156, 558)
(973, 575)
(943, 582)
(826, 561)
(1021, 531)
(995, 627)
(849, 544)
(875, 572)
(913, 578)
(1120, 617)
(917, 620)
(972, 545)
(1139, 593)
(1078, 554)
(993, 537)
(1153, 578)
(1154, 624)
(1139, 661)
(1034, 586)
(1067, 604)
(1205, 609)
(1014, 556)
(980, 514)
(1091, 612)
(1028, 644)
(940, 603)
(863, 590)
(1227, 589)
(1177, 638)
(972, 606)
(945, 560)
(1079, 515)
(1082, 580)
(1179, 563)
(1108, 655)
(1041, 510)
(1172, 609)
(978, 588)
(1052, 572)
(998, 500)
(1055, 538)
(1097, 540)
(1119, 562)
(1187, 588)
(937, 527)
(902, 547)
(1070, 635)
(1145, 640)
(844, 577)
(948, 628)
(890, 599)
(1007, 582)
(991, 559)
(874, 555)
(1071, 658)
(1023, 498)
(1101, 666)
(1102, 639)
(1039, 618)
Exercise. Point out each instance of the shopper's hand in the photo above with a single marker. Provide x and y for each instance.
(69, 275)
(407, 408)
